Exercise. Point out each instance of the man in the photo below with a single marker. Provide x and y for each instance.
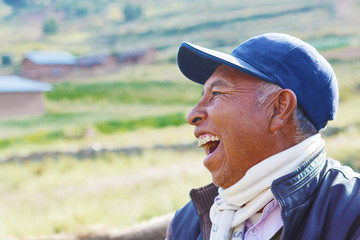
(259, 121)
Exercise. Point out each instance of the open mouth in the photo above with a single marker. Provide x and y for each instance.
(209, 143)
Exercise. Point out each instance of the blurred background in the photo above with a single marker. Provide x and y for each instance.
(93, 137)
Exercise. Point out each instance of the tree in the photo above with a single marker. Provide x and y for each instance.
(6, 60)
(132, 12)
(16, 3)
(50, 26)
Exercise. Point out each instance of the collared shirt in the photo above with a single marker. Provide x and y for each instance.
(270, 222)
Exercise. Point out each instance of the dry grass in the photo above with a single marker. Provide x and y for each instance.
(69, 196)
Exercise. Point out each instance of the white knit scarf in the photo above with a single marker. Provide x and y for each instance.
(234, 205)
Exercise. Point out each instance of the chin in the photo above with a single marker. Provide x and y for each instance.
(220, 181)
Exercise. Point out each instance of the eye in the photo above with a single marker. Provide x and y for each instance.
(216, 93)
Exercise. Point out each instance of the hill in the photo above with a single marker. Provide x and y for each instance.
(141, 107)
(101, 26)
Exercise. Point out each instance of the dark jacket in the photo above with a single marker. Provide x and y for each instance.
(319, 200)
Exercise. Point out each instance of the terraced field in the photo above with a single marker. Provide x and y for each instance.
(144, 107)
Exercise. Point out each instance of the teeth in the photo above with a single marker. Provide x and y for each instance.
(201, 142)
(206, 139)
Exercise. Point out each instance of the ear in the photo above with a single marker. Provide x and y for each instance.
(284, 105)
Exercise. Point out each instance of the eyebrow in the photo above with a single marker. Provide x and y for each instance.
(218, 82)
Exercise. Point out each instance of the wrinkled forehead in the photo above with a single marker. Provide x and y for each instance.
(226, 75)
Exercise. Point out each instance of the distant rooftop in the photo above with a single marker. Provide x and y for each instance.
(89, 61)
(51, 58)
(13, 83)
(136, 53)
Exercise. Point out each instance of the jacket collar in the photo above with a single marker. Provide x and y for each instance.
(293, 183)
(282, 187)
(296, 188)
(203, 197)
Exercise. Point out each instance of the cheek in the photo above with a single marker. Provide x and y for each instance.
(224, 117)
(239, 128)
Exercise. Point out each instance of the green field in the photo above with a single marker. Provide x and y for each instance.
(141, 107)
(73, 196)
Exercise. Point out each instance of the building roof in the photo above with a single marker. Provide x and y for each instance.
(51, 58)
(134, 54)
(89, 61)
(13, 83)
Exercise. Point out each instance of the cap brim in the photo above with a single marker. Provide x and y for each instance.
(199, 63)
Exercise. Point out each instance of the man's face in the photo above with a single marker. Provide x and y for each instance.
(230, 125)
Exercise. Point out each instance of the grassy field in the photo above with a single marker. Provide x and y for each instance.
(71, 196)
(142, 106)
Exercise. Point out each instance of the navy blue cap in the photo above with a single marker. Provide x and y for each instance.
(277, 58)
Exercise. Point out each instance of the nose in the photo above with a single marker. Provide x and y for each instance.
(196, 115)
